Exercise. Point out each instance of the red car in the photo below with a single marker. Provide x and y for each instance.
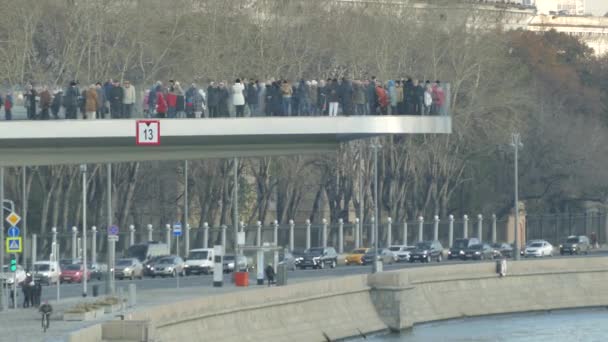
(73, 273)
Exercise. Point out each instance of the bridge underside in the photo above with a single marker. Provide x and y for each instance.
(74, 142)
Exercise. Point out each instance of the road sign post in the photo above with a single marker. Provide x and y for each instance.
(177, 232)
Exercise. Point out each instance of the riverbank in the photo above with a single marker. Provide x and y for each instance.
(340, 308)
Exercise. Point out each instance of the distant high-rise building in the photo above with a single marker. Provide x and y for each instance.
(570, 7)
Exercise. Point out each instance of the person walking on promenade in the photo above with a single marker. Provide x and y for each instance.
(269, 271)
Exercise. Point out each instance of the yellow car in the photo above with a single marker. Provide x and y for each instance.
(355, 257)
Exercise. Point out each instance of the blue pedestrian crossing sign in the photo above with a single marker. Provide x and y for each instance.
(13, 231)
(14, 245)
(177, 229)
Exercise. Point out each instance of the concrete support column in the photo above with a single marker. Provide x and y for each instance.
(373, 228)
(356, 233)
(465, 226)
(205, 235)
(493, 228)
(404, 233)
(54, 243)
(324, 233)
(224, 227)
(436, 228)
(94, 245)
(131, 235)
(74, 242)
(275, 226)
(292, 227)
(420, 228)
(258, 237)
(340, 236)
(150, 230)
(480, 227)
(307, 234)
(168, 236)
(451, 232)
(34, 248)
(389, 231)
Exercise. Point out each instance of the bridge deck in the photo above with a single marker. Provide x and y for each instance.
(80, 141)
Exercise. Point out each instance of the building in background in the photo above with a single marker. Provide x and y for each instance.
(568, 7)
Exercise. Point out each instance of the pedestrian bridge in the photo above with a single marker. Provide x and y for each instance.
(99, 141)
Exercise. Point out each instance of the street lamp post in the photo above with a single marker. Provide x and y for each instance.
(83, 169)
(517, 144)
(376, 146)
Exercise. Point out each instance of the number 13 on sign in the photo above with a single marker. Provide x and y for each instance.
(147, 132)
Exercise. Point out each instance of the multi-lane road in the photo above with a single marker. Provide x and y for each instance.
(75, 290)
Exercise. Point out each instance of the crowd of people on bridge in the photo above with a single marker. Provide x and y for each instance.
(275, 97)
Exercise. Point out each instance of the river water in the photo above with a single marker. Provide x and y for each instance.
(588, 325)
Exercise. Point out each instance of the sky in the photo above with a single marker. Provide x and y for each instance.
(597, 7)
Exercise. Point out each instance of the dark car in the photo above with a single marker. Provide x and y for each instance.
(149, 265)
(479, 251)
(319, 257)
(426, 251)
(459, 246)
(298, 254)
(575, 245)
(502, 249)
(96, 271)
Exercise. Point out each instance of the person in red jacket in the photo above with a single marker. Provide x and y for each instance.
(8, 107)
(161, 103)
(438, 99)
(382, 96)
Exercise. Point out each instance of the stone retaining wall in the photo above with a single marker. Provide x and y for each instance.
(344, 307)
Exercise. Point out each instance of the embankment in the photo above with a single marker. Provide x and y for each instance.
(338, 308)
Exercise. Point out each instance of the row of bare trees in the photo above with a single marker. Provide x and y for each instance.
(497, 88)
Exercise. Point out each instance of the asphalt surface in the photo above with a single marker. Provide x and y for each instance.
(75, 290)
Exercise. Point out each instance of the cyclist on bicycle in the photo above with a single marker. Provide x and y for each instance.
(46, 308)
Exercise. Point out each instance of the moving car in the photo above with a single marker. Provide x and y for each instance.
(199, 261)
(384, 254)
(149, 265)
(65, 262)
(426, 251)
(479, 251)
(46, 272)
(169, 266)
(402, 252)
(228, 263)
(502, 249)
(298, 254)
(8, 278)
(523, 250)
(73, 273)
(575, 245)
(319, 257)
(129, 268)
(288, 259)
(539, 249)
(355, 256)
(460, 245)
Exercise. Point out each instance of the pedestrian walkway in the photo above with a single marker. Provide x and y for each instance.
(24, 325)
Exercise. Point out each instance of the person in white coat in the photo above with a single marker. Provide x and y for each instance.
(128, 100)
(238, 99)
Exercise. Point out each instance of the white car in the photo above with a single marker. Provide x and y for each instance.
(402, 252)
(538, 249)
(47, 272)
(8, 277)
